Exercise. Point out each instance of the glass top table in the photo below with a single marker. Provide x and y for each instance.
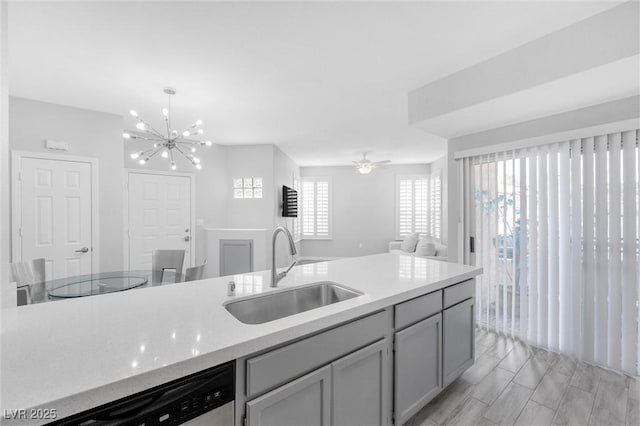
(101, 283)
(90, 285)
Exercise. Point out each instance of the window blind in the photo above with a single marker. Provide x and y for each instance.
(316, 208)
(412, 205)
(435, 206)
(556, 229)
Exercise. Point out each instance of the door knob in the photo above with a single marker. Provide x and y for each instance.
(187, 238)
(83, 250)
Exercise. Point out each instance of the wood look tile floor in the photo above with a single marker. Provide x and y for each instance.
(512, 383)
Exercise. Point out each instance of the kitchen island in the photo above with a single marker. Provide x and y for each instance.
(82, 353)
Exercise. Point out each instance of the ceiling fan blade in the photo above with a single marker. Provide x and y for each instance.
(379, 163)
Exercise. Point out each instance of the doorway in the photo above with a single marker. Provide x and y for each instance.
(161, 215)
(54, 212)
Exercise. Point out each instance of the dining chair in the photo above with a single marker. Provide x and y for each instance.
(195, 272)
(166, 259)
(30, 279)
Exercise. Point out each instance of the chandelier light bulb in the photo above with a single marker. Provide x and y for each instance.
(163, 141)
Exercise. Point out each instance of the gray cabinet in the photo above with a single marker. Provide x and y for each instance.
(361, 387)
(355, 378)
(418, 366)
(458, 339)
(354, 390)
(304, 401)
(236, 257)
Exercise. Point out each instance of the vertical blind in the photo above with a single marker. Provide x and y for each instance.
(555, 228)
(315, 208)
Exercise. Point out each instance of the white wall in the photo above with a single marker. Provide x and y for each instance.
(552, 126)
(212, 189)
(363, 209)
(285, 171)
(89, 134)
(250, 161)
(7, 294)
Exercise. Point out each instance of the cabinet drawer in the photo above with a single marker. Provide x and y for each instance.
(459, 292)
(280, 366)
(414, 310)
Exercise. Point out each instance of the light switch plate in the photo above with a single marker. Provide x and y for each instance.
(59, 146)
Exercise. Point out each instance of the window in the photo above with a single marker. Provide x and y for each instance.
(555, 227)
(316, 208)
(435, 206)
(247, 187)
(411, 205)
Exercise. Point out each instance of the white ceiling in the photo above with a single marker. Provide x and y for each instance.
(615, 80)
(323, 81)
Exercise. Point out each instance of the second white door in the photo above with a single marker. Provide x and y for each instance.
(159, 217)
(56, 215)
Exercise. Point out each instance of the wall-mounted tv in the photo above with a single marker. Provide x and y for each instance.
(289, 202)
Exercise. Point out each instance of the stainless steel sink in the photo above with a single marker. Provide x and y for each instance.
(272, 306)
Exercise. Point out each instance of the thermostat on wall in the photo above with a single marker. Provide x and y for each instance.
(60, 146)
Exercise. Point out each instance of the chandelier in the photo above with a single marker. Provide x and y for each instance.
(170, 144)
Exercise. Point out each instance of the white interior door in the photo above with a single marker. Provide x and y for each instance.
(159, 217)
(56, 215)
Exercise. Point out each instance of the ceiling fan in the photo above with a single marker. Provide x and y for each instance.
(365, 166)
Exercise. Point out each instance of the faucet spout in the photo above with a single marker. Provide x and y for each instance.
(275, 276)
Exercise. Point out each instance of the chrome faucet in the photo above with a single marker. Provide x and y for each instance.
(275, 276)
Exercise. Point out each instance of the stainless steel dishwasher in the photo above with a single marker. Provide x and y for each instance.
(204, 398)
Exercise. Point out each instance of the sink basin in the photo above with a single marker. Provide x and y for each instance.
(272, 306)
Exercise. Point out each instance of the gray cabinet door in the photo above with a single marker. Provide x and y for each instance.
(302, 402)
(458, 340)
(418, 366)
(361, 387)
(236, 257)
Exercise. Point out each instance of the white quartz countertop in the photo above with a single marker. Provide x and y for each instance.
(77, 354)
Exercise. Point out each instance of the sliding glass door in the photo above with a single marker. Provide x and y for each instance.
(555, 228)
